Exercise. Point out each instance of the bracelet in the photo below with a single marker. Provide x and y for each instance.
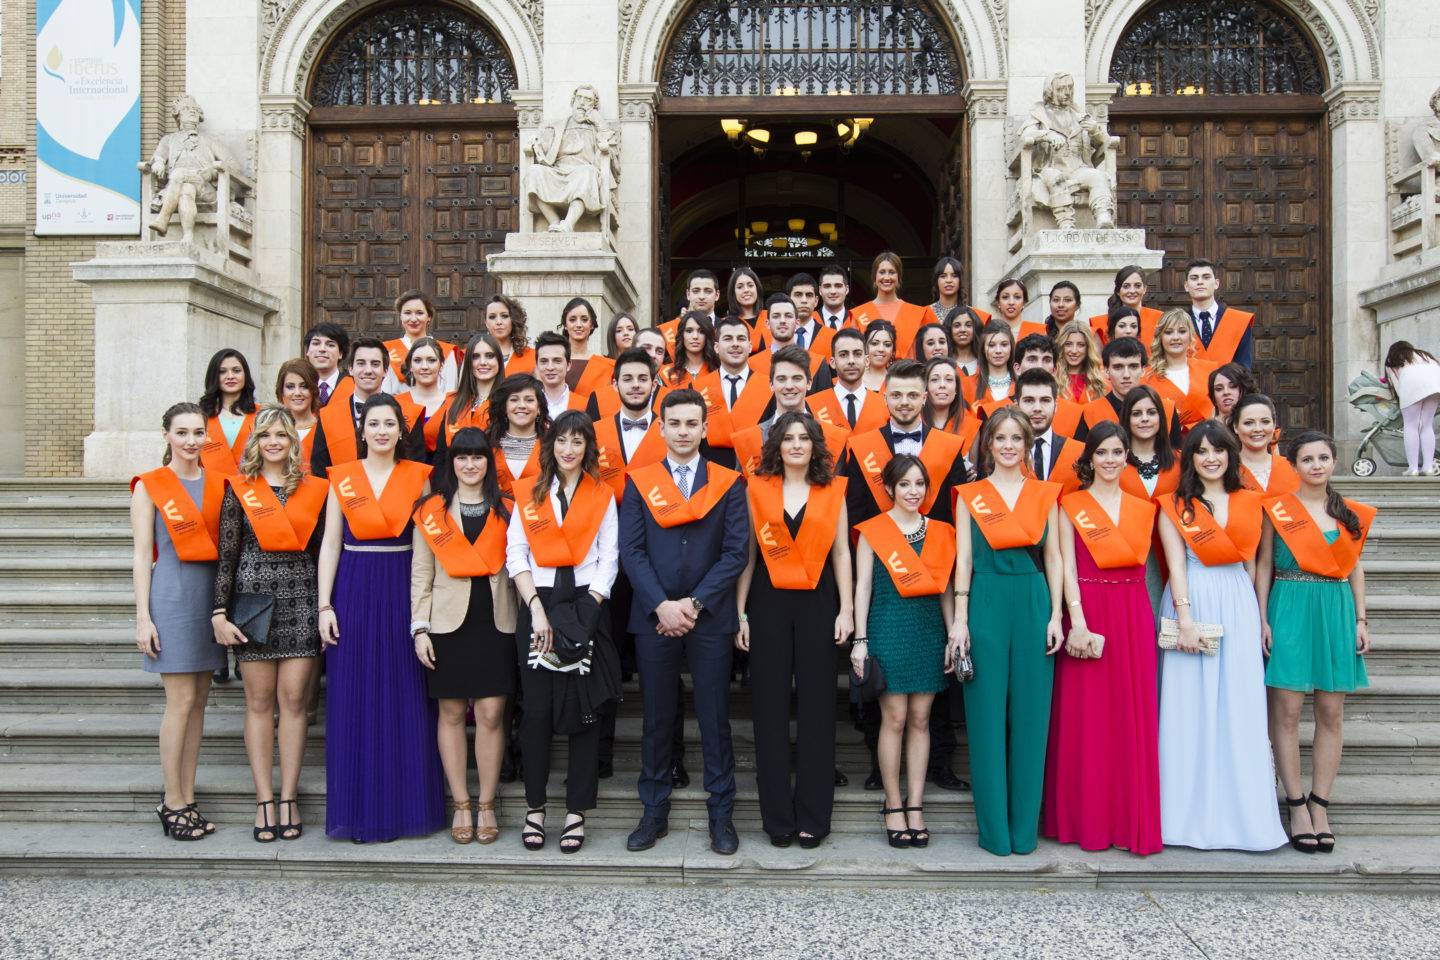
(326, 609)
(1365, 620)
(1182, 602)
(744, 618)
(1073, 603)
(962, 593)
(857, 641)
(533, 598)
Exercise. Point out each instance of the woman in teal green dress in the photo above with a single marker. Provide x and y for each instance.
(902, 612)
(1311, 588)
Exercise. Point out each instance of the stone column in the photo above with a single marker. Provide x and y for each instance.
(279, 230)
(1358, 238)
(985, 110)
(638, 193)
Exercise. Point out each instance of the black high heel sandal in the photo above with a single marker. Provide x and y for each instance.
(533, 836)
(268, 828)
(205, 824)
(1297, 840)
(1320, 838)
(291, 830)
(900, 839)
(918, 837)
(569, 842)
(179, 824)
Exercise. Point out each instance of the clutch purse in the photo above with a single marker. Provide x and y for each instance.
(1210, 634)
(869, 684)
(1097, 641)
(252, 616)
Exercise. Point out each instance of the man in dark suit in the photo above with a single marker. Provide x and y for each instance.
(684, 532)
(1226, 334)
(326, 346)
(368, 363)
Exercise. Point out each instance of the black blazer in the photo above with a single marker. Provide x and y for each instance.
(702, 559)
(860, 501)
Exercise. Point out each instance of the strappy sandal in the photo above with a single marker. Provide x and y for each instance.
(485, 834)
(291, 830)
(533, 836)
(570, 842)
(919, 836)
(205, 824)
(268, 833)
(179, 824)
(898, 838)
(461, 834)
(1321, 838)
(1304, 842)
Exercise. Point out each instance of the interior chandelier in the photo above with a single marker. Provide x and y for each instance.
(789, 136)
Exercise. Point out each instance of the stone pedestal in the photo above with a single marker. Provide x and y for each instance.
(545, 270)
(1088, 258)
(1406, 302)
(161, 311)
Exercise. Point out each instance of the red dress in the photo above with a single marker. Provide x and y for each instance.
(1102, 771)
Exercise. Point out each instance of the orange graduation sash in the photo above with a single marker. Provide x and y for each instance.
(597, 373)
(914, 575)
(373, 518)
(1003, 527)
(938, 454)
(909, 318)
(222, 457)
(829, 408)
(749, 445)
(414, 411)
(577, 532)
(1112, 545)
(478, 418)
(1213, 544)
(1283, 478)
(281, 528)
(1149, 317)
(663, 498)
(748, 409)
(398, 351)
(339, 424)
(1230, 327)
(506, 479)
(457, 555)
(610, 453)
(194, 530)
(1062, 471)
(1302, 535)
(1166, 483)
(794, 563)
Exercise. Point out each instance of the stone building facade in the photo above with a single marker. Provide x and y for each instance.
(1301, 178)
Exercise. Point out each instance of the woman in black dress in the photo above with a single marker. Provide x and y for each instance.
(462, 611)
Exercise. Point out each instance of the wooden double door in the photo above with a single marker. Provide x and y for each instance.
(393, 208)
(1249, 193)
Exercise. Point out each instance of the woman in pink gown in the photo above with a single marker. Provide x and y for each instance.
(1102, 771)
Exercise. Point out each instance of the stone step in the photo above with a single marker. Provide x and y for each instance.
(92, 792)
(64, 512)
(89, 540)
(77, 571)
(1387, 577)
(1378, 748)
(1403, 543)
(135, 848)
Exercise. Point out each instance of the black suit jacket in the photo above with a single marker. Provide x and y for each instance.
(860, 501)
(702, 559)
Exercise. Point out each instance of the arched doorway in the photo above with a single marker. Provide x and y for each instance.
(1225, 156)
(797, 132)
(413, 168)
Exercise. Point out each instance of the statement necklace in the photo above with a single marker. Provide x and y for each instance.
(1148, 469)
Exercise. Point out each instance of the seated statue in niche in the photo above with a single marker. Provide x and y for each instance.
(184, 169)
(1068, 156)
(1426, 136)
(575, 165)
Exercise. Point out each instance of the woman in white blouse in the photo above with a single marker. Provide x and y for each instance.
(562, 553)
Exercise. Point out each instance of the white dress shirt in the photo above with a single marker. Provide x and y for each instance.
(832, 320)
(630, 439)
(1048, 439)
(811, 331)
(557, 407)
(841, 392)
(602, 562)
(725, 376)
(911, 447)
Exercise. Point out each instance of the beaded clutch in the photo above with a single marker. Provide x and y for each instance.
(1210, 634)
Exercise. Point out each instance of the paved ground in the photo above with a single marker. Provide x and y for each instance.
(201, 918)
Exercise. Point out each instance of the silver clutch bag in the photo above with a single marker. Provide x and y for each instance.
(1210, 634)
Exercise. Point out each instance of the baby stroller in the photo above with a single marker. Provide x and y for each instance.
(1386, 434)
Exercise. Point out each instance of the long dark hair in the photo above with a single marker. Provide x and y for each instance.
(955, 415)
(1102, 431)
(1232, 419)
(732, 306)
(383, 400)
(881, 326)
(571, 421)
(822, 464)
(611, 350)
(1403, 352)
(469, 389)
(920, 337)
(519, 340)
(1335, 504)
(954, 314)
(1237, 375)
(709, 359)
(1123, 274)
(984, 458)
(211, 399)
(1164, 452)
(468, 441)
(168, 417)
(995, 328)
(425, 341)
(1191, 487)
(935, 274)
(504, 390)
(589, 308)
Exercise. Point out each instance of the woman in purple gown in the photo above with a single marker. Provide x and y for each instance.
(382, 768)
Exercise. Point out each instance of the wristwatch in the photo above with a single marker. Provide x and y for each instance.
(699, 607)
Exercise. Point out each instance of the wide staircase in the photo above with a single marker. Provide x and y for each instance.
(79, 774)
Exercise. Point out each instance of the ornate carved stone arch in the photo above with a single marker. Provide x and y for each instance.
(646, 27)
(305, 27)
(1340, 29)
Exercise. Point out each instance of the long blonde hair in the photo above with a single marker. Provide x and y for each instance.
(250, 460)
(1094, 378)
(1158, 363)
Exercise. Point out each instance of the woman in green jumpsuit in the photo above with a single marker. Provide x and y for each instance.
(1007, 564)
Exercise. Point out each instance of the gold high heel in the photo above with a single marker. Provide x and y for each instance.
(485, 834)
(461, 834)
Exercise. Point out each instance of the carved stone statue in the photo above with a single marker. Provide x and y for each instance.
(185, 168)
(575, 166)
(1068, 156)
(1427, 133)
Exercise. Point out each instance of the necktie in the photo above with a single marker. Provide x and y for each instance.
(627, 424)
(1206, 329)
(851, 413)
(682, 479)
(564, 502)
(898, 437)
(834, 323)
(324, 393)
(1040, 458)
(734, 379)
(800, 336)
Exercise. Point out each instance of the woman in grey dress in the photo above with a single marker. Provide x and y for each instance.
(174, 518)
(268, 548)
